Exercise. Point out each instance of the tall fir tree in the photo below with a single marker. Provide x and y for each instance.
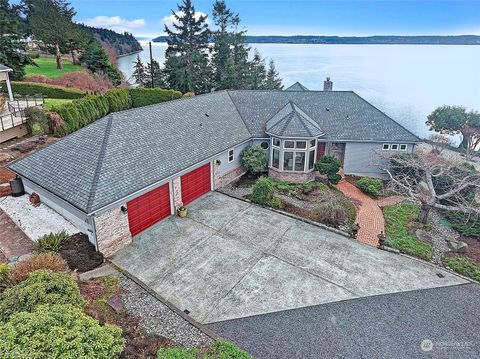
(153, 70)
(187, 66)
(139, 73)
(257, 73)
(12, 44)
(49, 21)
(273, 81)
(222, 18)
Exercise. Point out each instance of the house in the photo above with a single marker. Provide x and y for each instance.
(121, 174)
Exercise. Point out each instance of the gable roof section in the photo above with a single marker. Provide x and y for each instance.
(291, 121)
(297, 86)
(130, 150)
(342, 115)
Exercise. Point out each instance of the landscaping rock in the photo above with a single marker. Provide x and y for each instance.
(35, 199)
(30, 144)
(457, 246)
(115, 302)
(424, 236)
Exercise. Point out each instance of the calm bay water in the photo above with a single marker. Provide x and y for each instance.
(407, 82)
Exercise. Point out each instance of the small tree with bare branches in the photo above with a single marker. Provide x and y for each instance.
(434, 182)
(439, 142)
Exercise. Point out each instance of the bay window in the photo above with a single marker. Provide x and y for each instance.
(276, 158)
(287, 161)
(293, 155)
(299, 161)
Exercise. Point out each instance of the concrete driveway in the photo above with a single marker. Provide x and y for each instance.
(230, 259)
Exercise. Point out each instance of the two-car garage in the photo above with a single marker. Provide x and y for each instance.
(151, 207)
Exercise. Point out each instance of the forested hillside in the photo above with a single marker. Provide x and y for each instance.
(121, 44)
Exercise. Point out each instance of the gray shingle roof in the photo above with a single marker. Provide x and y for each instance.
(291, 121)
(4, 68)
(129, 150)
(297, 86)
(342, 115)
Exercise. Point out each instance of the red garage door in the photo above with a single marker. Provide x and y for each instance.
(195, 183)
(148, 209)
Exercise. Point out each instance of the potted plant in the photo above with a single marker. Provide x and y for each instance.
(182, 211)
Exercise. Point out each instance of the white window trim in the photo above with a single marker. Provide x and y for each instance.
(394, 144)
(275, 138)
(400, 147)
(279, 158)
(233, 155)
(289, 148)
(386, 149)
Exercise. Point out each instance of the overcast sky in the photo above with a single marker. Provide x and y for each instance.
(292, 17)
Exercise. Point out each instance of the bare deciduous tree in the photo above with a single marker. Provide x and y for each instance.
(434, 182)
(439, 142)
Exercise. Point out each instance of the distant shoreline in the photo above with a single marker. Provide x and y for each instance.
(353, 40)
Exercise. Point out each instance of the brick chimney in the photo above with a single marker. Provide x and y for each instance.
(327, 85)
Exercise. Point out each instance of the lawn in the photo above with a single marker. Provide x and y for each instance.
(47, 67)
(52, 102)
(399, 236)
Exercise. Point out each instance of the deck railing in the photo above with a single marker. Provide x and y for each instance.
(16, 110)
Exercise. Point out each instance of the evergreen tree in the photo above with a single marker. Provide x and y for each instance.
(257, 74)
(97, 61)
(186, 66)
(76, 40)
(12, 47)
(240, 55)
(222, 17)
(139, 73)
(273, 82)
(49, 21)
(153, 68)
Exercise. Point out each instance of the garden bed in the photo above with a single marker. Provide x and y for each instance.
(80, 254)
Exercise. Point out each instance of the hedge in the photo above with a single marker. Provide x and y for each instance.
(143, 97)
(118, 100)
(52, 91)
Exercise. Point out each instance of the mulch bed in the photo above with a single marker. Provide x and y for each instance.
(473, 251)
(139, 344)
(80, 254)
(246, 180)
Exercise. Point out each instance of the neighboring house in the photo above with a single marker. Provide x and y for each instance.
(121, 174)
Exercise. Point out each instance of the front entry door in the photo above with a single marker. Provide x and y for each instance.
(337, 149)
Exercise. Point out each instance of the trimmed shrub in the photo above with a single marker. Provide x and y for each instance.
(52, 91)
(329, 166)
(144, 97)
(48, 261)
(4, 272)
(59, 331)
(254, 160)
(262, 191)
(467, 225)
(219, 350)
(38, 120)
(118, 100)
(371, 186)
(41, 287)
(52, 242)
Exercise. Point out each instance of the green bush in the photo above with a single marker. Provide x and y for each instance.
(467, 225)
(52, 91)
(82, 112)
(38, 120)
(33, 54)
(262, 191)
(59, 331)
(371, 186)
(97, 61)
(329, 166)
(254, 160)
(463, 265)
(397, 218)
(4, 272)
(144, 97)
(118, 100)
(52, 242)
(219, 350)
(41, 287)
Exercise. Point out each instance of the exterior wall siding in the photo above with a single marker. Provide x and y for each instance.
(360, 158)
(112, 230)
(74, 215)
(226, 167)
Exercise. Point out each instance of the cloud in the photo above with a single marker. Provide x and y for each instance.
(170, 20)
(115, 23)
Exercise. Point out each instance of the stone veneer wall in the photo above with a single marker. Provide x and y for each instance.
(291, 176)
(221, 181)
(112, 230)
(177, 193)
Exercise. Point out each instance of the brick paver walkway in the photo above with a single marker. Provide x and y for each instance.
(13, 242)
(369, 214)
